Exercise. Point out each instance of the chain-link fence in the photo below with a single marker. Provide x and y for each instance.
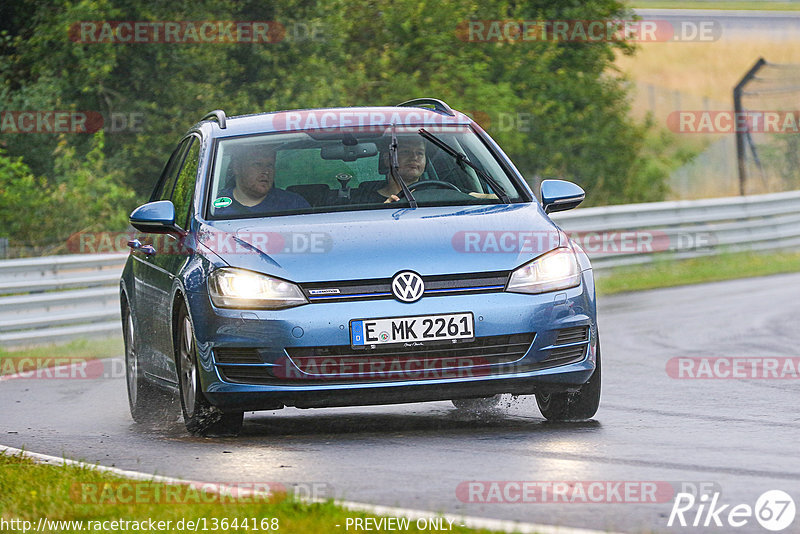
(768, 98)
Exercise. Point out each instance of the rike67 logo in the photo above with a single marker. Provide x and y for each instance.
(774, 510)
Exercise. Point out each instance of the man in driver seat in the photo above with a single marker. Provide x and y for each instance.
(411, 160)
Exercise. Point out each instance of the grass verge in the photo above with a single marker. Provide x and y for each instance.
(667, 273)
(94, 348)
(57, 354)
(30, 491)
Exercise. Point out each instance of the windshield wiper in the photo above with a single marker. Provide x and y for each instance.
(394, 170)
(462, 160)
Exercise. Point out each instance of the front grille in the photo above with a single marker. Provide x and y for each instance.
(236, 355)
(341, 363)
(499, 349)
(575, 334)
(439, 285)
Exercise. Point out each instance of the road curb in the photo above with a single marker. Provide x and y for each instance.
(498, 525)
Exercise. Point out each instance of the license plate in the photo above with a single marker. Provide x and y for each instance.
(453, 327)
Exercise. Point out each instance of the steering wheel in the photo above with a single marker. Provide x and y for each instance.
(427, 184)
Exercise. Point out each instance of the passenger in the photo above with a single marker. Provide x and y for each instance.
(253, 189)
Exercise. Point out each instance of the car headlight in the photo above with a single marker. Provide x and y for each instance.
(556, 270)
(237, 288)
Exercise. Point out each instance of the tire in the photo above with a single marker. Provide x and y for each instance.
(200, 417)
(149, 405)
(480, 404)
(573, 406)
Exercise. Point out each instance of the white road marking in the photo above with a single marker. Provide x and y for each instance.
(498, 525)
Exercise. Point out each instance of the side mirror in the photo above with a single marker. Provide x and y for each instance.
(560, 195)
(155, 218)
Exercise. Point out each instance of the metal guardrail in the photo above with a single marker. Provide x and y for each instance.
(639, 233)
(55, 298)
(60, 297)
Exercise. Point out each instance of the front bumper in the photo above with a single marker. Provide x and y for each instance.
(275, 334)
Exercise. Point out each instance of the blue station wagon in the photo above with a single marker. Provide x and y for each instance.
(353, 256)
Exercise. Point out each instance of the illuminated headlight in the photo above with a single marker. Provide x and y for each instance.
(237, 288)
(556, 270)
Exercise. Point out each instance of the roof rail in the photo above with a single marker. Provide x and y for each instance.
(434, 103)
(216, 114)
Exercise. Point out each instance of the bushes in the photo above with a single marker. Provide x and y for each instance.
(574, 103)
(39, 214)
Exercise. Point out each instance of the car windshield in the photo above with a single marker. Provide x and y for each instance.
(323, 171)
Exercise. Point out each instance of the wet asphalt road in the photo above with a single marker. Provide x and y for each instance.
(740, 436)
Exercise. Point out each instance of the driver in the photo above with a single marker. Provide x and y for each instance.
(411, 161)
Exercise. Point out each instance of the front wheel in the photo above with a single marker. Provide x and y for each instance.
(200, 417)
(573, 406)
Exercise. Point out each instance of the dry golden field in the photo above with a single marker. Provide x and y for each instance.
(704, 69)
(701, 76)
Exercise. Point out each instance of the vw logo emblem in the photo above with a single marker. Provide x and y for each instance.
(407, 286)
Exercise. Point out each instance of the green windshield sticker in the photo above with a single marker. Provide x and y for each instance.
(222, 202)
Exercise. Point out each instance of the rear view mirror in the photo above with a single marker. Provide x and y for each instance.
(349, 152)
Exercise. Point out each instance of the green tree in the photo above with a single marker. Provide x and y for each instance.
(42, 215)
(559, 109)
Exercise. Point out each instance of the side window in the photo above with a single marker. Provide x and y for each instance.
(184, 188)
(167, 182)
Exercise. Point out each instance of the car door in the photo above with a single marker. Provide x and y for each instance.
(150, 276)
(170, 258)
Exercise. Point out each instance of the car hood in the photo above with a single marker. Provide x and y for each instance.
(379, 243)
